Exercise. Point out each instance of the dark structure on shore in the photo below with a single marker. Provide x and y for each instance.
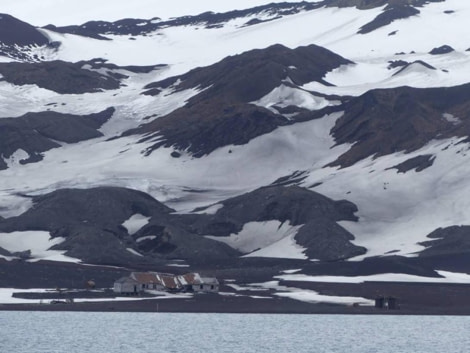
(390, 303)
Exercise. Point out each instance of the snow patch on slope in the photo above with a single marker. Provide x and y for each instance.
(16, 157)
(286, 248)
(285, 96)
(269, 239)
(147, 237)
(38, 242)
(211, 209)
(447, 277)
(135, 223)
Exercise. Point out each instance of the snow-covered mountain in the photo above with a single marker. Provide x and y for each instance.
(320, 131)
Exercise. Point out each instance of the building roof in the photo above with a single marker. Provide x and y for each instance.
(196, 279)
(189, 279)
(125, 279)
(209, 280)
(167, 280)
(164, 279)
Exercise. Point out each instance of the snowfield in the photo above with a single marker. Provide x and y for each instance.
(72, 13)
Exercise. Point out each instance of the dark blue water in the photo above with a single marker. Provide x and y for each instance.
(69, 332)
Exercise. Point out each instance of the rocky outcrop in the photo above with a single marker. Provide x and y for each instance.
(221, 114)
(323, 238)
(395, 9)
(91, 221)
(58, 76)
(35, 133)
(390, 14)
(385, 121)
(16, 32)
(18, 39)
(370, 4)
(253, 74)
(447, 241)
(418, 163)
(444, 49)
(203, 128)
(136, 27)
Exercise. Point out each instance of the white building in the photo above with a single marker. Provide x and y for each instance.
(138, 282)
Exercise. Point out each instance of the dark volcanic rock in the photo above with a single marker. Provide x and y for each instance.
(394, 10)
(418, 163)
(35, 133)
(445, 49)
(91, 221)
(58, 76)
(203, 128)
(135, 27)
(293, 179)
(390, 14)
(19, 39)
(4, 252)
(106, 207)
(253, 74)
(327, 241)
(174, 242)
(294, 204)
(370, 4)
(397, 63)
(385, 121)
(220, 114)
(320, 234)
(414, 64)
(16, 32)
(102, 64)
(447, 241)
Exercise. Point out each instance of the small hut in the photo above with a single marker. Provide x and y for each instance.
(390, 303)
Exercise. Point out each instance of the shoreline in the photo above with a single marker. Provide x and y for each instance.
(232, 305)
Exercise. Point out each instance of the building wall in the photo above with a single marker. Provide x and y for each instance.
(154, 286)
(124, 287)
(205, 288)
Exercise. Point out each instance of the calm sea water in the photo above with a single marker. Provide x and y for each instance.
(71, 332)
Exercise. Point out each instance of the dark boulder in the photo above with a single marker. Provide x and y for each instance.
(445, 49)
